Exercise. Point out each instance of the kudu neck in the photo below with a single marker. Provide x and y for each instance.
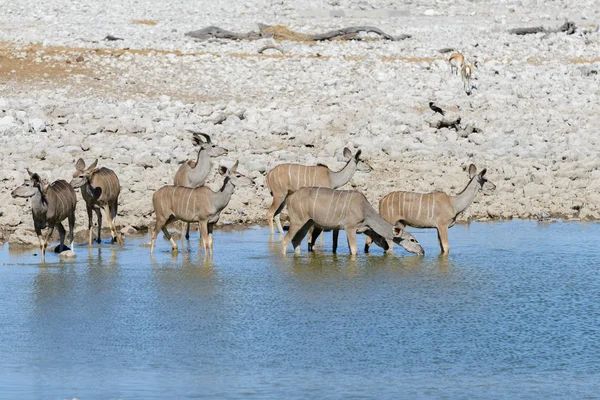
(343, 176)
(222, 197)
(464, 199)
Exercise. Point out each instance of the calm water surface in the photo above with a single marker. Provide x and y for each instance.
(513, 312)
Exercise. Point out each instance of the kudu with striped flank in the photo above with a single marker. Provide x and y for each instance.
(432, 210)
(327, 208)
(50, 205)
(201, 205)
(194, 174)
(100, 189)
(285, 179)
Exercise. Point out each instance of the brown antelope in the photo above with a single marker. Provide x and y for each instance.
(200, 205)
(100, 189)
(285, 179)
(456, 62)
(194, 173)
(327, 208)
(432, 210)
(50, 205)
(466, 74)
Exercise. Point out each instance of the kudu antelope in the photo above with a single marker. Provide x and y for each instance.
(432, 210)
(100, 189)
(194, 174)
(327, 208)
(456, 62)
(200, 205)
(50, 205)
(285, 179)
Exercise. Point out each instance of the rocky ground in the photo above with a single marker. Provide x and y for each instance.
(66, 93)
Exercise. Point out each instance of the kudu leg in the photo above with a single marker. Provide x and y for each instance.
(71, 232)
(443, 239)
(351, 235)
(210, 238)
(61, 234)
(299, 236)
(273, 213)
(90, 224)
(204, 235)
(47, 241)
(336, 234)
(111, 219)
(294, 228)
(313, 239)
(99, 215)
(368, 242)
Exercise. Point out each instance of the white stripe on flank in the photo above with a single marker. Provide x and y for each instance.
(298, 178)
(433, 209)
(403, 203)
(194, 204)
(420, 204)
(290, 175)
(338, 200)
(315, 202)
(347, 195)
(314, 182)
(187, 206)
(329, 208)
(305, 182)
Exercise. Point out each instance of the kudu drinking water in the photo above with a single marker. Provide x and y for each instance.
(100, 189)
(194, 174)
(50, 205)
(201, 205)
(285, 179)
(341, 209)
(432, 210)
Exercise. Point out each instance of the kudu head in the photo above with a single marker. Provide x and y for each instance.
(355, 158)
(484, 185)
(34, 185)
(233, 176)
(203, 141)
(82, 174)
(406, 240)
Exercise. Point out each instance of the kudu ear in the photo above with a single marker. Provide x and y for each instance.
(223, 170)
(30, 173)
(472, 171)
(235, 166)
(80, 165)
(347, 153)
(482, 173)
(94, 165)
(357, 155)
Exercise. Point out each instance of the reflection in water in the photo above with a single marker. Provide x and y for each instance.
(511, 310)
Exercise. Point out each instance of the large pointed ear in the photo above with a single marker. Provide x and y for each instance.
(235, 166)
(30, 173)
(357, 155)
(80, 165)
(347, 153)
(94, 165)
(482, 173)
(223, 170)
(472, 171)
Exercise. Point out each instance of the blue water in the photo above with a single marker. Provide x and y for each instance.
(513, 312)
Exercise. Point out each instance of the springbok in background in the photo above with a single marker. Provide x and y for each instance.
(201, 205)
(194, 174)
(466, 74)
(50, 205)
(285, 179)
(432, 210)
(456, 62)
(100, 189)
(341, 209)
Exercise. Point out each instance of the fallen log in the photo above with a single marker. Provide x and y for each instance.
(279, 32)
(568, 27)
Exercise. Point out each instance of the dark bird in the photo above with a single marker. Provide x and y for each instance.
(436, 109)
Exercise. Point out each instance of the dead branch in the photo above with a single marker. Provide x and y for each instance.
(270, 47)
(446, 50)
(279, 32)
(568, 27)
(445, 123)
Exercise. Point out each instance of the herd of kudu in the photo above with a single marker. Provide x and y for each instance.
(314, 203)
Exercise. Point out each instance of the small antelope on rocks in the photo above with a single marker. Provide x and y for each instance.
(201, 205)
(327, 208)
(466, 74)
(195, 173)
(432, 210)
(100, 189)
(285, 179)
(456, 62)
(50, 205)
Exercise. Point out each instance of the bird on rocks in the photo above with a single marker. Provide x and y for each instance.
(436, 109)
